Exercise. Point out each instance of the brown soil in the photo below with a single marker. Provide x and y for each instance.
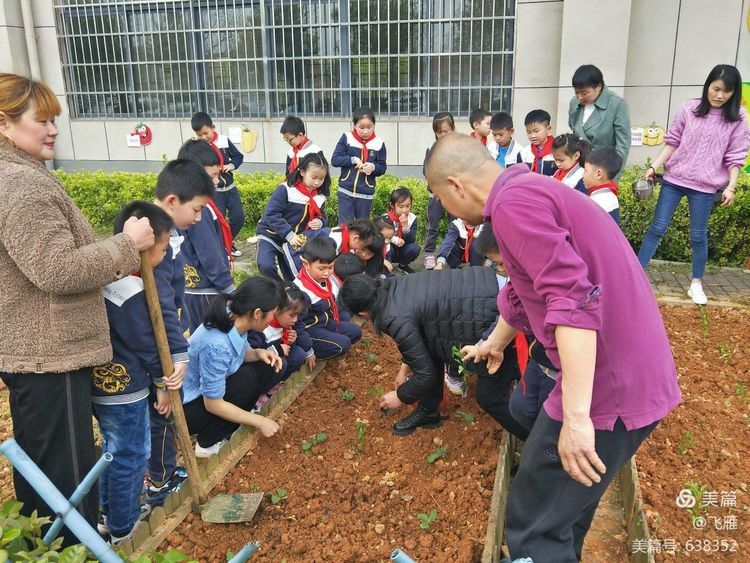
(705, 440)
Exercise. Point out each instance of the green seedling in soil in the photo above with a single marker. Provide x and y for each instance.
(347, 396)
(371, 357)
(467, 417)
(437, 454)
(463, 371)
(741, 391)
(376, 391)
(704, 320)
(277, 496)
(230, 554)
(361, 433)
(427, 520)
(313, 440)
(686, 442)
(725, 352)
(697, 491)
(253, 488)
(366, 340)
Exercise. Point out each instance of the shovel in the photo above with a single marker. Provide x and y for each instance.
(220, 509)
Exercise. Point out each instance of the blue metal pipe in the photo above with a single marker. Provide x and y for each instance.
(58, 503)
(400, 557)
(77, 496)
(245, 553)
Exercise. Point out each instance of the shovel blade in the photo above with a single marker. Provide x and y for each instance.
(226, 509)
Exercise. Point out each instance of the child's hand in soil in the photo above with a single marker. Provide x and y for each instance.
(162, 404)
(273, 360)
(469, 352)
(285, 348)
(315, 224)
(292, 336)
(310, 362)
(390, 401)
(267, 427)
(174, 381)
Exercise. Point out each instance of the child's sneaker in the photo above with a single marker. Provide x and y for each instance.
(209, 451)
(236, 252)
(455, 386)
(114, 541)
(101, 526)
(429, 262)
(155, 495)
(697, 294)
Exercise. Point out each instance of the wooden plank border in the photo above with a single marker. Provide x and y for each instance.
(635, 519)
(496, 525)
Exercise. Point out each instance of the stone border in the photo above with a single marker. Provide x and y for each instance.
(163, 520)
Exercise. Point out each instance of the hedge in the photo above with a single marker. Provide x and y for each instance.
(101, 194)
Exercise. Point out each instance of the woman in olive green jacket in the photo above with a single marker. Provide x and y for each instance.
(597, 115)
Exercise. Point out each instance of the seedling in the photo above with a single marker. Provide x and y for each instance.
(230, 554)
(371, 357)
(467, 417)
(366, 340)
(697, 491)
(741, 391)
(253, 488)
(427, 520)
(726, 352)
(463, 371)
(277, 496)
(704, 320)
(313, 440)
(437, 454)
(361, 433)
(347, 396)
(376, 391)
(686, 442)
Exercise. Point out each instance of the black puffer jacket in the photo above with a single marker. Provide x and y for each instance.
(430, 312)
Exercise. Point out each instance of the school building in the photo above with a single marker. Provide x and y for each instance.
(119, 64)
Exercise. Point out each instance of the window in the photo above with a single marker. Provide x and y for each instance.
(265, 59)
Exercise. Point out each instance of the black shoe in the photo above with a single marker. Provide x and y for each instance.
(405, 268)
(418, 418)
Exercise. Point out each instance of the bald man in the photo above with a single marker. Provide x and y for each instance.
(576, 284)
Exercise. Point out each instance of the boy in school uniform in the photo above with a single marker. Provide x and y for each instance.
(330, 335)
(227, 196)
(539, 132)
(479, 119)
(507, 150)
(345, 266)
(599, 171)
(121, 387)
(207, 244)
(293, 131)
(182, 190)
(458, 247)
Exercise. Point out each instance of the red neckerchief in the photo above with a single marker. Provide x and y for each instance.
(396, 223)
(561, 173)
(212, 142)
(295, 154)
(469, 240)
(479, 138)
(313, 210)
(344, 240)
(611, 185)
(365, 152)
(320, 291)
(226, 231)
(540, 153)
(522, 353)
(284, 331)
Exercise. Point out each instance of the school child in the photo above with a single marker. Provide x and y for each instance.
(458, 247)
(207, 245)
(569, 152)
(226, 376)
(387, 230)
(479, 119)
(442, 124)
(295, 207)
(293, 131)
(539, 132)
(602, 165)
(507, 150)
(404, 247)
(227, 196)
(182, 190)
(345, 266)
(120, 388)
(377, 266)
(330, 335)
(361, 155)
(351, 237)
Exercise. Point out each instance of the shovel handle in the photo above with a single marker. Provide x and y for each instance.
(165, 357)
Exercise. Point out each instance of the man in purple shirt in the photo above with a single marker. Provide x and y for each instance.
(576, 284)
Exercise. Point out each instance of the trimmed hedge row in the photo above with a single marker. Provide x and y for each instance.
(100, 195)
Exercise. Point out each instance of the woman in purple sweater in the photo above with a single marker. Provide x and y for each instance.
(704, 149)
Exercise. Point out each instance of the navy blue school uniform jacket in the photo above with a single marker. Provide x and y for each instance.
(272, 337)
(353, 182)
(287, 213)
(207, 270)
(135, 361)
(308, 148)
(170, 285)
(318, 313)
(455, 243)
(408, 234)
(231, 155)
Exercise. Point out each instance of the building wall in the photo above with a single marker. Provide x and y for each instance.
(656, 54)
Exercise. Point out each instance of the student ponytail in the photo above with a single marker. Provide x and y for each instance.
(571, 144)
(254, 293)
(361, 293)
(311, 159)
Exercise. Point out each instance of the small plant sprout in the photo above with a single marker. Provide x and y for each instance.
(686, 442)
(437, 454)
(741, 391)
(705, 320)
(347, 396)
(463, 371)
(313, 440)
(697, 491)
(366, 340)
(376, 391)
(726, 353)
(427, 520)
(371, 357)
(467, 417)
(277, 496)
(361, 427)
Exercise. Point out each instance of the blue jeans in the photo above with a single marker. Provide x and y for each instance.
(699, 204)
(526, 400)
(125, 434)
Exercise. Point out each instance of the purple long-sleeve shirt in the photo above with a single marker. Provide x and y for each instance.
(569, 264)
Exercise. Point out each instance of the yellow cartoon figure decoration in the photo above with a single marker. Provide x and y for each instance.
(191, 277)
(653, 135)
(111, 378)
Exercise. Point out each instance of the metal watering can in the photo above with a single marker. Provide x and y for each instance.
(643, 189)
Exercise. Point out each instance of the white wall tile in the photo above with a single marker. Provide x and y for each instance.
(117, 140)
(90, 140)
(538, 38)
(653, 27)
(166, 141)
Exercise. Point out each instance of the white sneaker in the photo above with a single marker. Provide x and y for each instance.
(696, 294)
(115, 540)
(209, 451)
(455, 386)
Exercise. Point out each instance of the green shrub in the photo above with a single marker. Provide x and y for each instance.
(100, 195)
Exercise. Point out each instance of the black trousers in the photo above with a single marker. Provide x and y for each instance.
(52, 423)
(548, 513)
(243, 388)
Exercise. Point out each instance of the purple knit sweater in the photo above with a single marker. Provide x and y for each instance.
(706, 148)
